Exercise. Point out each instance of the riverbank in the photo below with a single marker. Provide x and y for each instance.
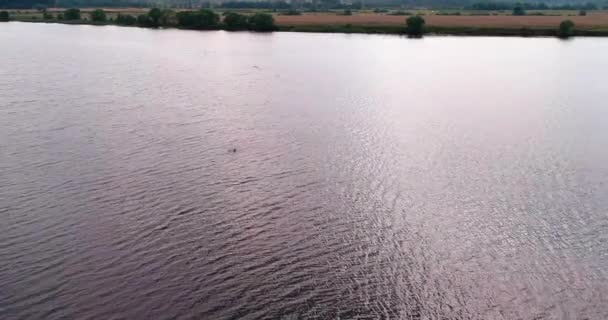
(594, 24)
(451, 31)
(395, 30)
(470, 24)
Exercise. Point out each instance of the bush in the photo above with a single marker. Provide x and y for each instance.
(203, 19)
(47, 16)
(154, 16)
(415, 25)
(442, 13)
(236, 21)
(582, 13)
(347, 12)
(125, 20)
(153, 19)
(400, 13)
(98, 15)
(168, 18)
(143, 20)
(4, 16)
(262, 22)
(292, 12)
(60, 16)
(71, 14)
(566, 29)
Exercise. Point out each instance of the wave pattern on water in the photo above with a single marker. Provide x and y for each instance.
(363, 185)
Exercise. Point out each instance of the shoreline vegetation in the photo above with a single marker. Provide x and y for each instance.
(203, 19)
(413, 24)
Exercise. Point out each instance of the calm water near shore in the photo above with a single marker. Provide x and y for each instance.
(375, 177)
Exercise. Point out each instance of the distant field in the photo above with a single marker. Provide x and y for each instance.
(592, 20)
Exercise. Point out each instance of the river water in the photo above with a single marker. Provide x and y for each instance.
(374, 177)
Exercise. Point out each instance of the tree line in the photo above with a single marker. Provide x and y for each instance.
(203, 19)
(494, 6)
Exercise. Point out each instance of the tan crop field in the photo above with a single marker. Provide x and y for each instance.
(592, 20)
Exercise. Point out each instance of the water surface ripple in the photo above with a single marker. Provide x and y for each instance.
(375, 177)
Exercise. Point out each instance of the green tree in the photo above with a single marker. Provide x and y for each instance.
(262, 22)
(167, 18)
(203, 19)
(71, 14)
(415, 26)
(125, 20)
(98, 15)
(47, 15)
(519, 10)
(236, 21)
(566, 29)
(154, 17)
(292, 12)
(143, 20)
(4, 16)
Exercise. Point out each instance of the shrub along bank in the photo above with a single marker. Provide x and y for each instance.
(203, 19)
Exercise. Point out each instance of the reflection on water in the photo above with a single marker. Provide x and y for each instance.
(374, 176)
